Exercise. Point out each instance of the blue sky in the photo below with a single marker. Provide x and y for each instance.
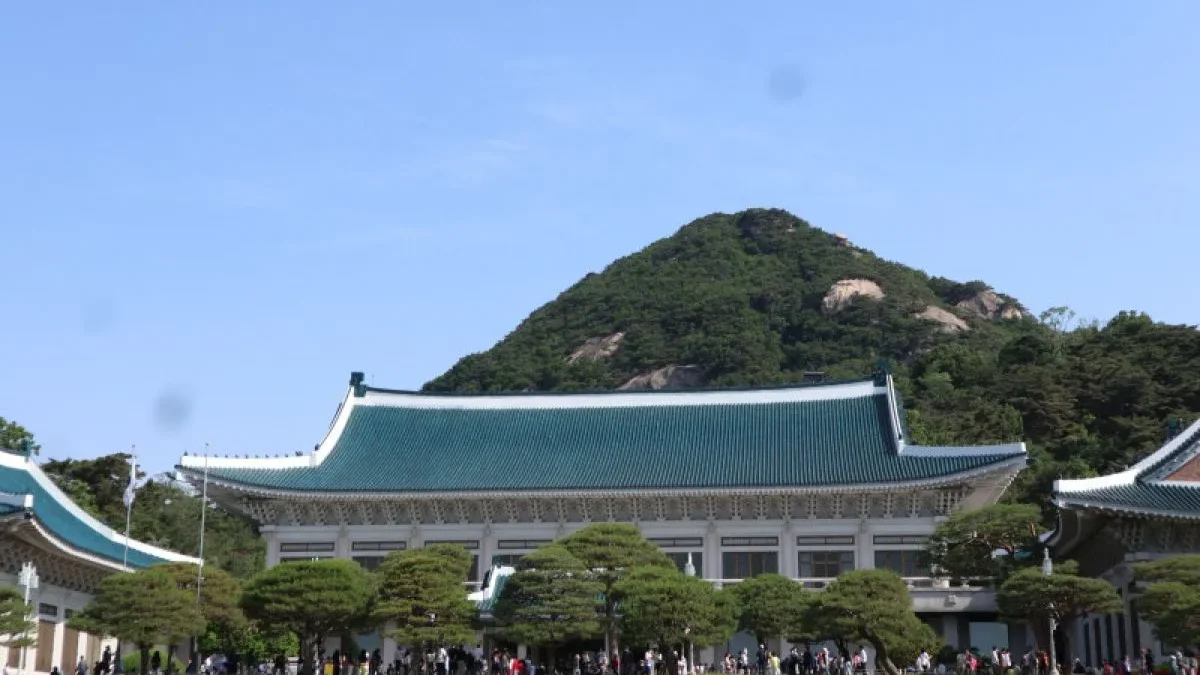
(210, 213)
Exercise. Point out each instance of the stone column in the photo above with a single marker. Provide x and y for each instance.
(271, 539)
(864, 558)
(789, 564)
(487, 545)
(712, 553)
(56, 653)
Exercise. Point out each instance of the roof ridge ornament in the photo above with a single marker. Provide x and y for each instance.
(883, 368)
(356, 384)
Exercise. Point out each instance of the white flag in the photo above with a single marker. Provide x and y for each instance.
(132, 483)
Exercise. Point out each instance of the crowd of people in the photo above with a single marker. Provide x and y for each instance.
(821, 660)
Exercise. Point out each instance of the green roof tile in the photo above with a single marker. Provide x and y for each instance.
(57, 518)
(397, 446)
(1148, 497)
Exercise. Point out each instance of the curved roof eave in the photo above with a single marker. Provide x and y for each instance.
(48, 486)
(1081, 502)
(1129, 476)
(1003, 464)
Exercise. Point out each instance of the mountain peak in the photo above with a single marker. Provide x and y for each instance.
(754, 297)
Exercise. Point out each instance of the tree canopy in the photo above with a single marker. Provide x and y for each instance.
(1029, 595)
(872, 606)
(17, 627)
(611, 551)
(311, 599)
(15, 437)
(421, 591)
(768, 605)
(664, 608)
(1171, 599)
(550, 599)
(965, 545)
(146, 607)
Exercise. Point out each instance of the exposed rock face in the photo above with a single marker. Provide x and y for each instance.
(1011, 311)
(670, 377)
(844, 292)
(597, 348)
(949, 322)
(989, 305)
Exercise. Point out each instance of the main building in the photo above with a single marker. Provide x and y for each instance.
(807, 481)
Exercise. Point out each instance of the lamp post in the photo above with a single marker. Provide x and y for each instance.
(690, 570)
(1048, 569)
(28, 577)
(435, 650)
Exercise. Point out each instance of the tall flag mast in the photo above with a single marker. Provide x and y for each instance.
(128, 499)
(203, 513)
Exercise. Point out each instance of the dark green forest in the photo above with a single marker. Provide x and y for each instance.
(740, 299)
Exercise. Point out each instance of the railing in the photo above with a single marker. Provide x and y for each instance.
(913, 583)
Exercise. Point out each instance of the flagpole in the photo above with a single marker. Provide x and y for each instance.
(129, 503)
(203, 513)
(200, 555)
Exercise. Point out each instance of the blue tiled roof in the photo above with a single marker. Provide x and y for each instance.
(56, 518)
(402, 447)
(1151, 497)
(498, 582)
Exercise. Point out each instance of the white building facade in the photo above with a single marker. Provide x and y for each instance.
(805, 481)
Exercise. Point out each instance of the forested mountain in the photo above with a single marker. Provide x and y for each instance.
(762, 297)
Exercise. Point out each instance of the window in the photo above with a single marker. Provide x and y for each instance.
(825, 564)
(678, 542)
(842, 540)
(473, 573)
(306, 547)
(918, 539)
(47, 610)
(749, 541)
(507, 559)
(378, 546)
(369, 562)
(746, 564)
(69, 613)
(521, 543)
(304, 558)
(465, 543)
(681, 561)
(904, 563)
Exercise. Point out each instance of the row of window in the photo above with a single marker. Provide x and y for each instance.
(668, 542)
(734, 564)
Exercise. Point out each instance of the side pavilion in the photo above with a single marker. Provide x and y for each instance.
(71, 551)
(1150, 510)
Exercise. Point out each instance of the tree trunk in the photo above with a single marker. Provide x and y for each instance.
(551, 650)
(882, 660)
(307, 654)
(611, 645)
(145, 652)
